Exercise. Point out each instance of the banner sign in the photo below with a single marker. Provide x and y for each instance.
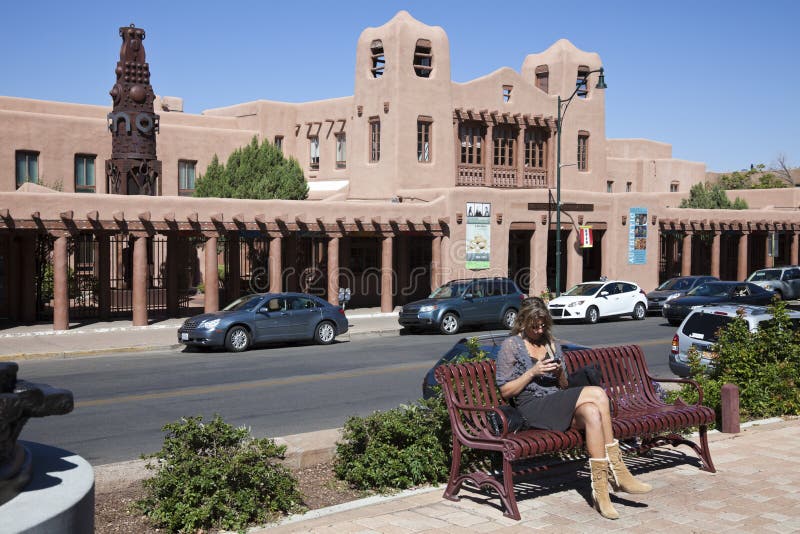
(585, 236)
(637, 236)
(479, 233)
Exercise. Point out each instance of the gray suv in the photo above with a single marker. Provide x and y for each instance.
(467, 301)
(700, 328)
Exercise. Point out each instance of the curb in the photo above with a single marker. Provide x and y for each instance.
(63, 354)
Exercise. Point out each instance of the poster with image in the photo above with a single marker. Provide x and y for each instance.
(637, 236)
(478, 235)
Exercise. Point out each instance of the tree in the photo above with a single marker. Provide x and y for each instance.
(711, 196)
(784, 171)
(254, 171)
(757, 177)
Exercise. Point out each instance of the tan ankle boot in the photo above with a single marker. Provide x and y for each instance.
(602, 502)
(621, 478)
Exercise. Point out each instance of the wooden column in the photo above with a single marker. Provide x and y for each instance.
(386, 274)
(436, 261)
(445, 263)
(520, 155)
(488, 156)
(28, 278)
(769, 261)
(741, 263)
(538, 261)
(333, 270)
(715, 253)
(793, 248)
(60, 284)
(686, 255)
(404, 289)
(172, 274)
(574, 260)
(104, 276)
(275, 264)
(139, 296)
(211, 276)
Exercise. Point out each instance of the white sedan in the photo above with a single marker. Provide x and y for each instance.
(592, 300)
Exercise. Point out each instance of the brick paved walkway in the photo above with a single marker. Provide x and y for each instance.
(756, 489)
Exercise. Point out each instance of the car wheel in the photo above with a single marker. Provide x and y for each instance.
(778, 294)
(325, 333)
(237, 339)
(674, 322)
(592, 315)
(639, 312)
(509, 317)
(450, 324)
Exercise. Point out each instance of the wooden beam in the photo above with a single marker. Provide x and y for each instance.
(93, 215)
(238, 218)
(216, 217)
(192, 217)
(169, 217)
(67, 215)
(119, 216)
(144, 216)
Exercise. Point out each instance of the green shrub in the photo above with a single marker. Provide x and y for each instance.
(212, 475)
(765, 365)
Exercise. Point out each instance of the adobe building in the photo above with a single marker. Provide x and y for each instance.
(413, 180)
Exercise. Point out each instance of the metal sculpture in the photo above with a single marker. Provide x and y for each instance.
(19, 401)
(133, 168)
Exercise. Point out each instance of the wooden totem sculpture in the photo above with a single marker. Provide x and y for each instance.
(133, 168)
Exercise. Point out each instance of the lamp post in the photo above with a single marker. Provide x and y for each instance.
(562, 110)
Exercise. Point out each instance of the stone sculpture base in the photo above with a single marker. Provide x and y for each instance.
(59, 496)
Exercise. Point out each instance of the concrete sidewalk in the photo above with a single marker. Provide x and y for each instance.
(39, 340)
(756, 489)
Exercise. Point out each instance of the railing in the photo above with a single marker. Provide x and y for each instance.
(502, 177)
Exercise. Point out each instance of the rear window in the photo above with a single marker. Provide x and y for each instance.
(705, 326)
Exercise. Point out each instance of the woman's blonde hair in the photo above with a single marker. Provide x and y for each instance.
(533, 309)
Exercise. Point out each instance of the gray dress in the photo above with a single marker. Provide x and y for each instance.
(542, 403)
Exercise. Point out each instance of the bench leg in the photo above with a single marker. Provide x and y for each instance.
(705, 452)
(507, 496)
(455, 481)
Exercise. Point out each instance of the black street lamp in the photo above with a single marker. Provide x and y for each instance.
(562, 110)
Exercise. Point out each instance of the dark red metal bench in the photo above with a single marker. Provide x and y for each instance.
(637, 411)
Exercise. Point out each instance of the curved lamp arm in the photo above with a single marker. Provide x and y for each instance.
(601, 84)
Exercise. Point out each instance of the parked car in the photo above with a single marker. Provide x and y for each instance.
(784, 281)
(719, 292)
(265, 317)
(674, 288)
(591, 301)
(467, 301)
(486, 342)
(701, 327)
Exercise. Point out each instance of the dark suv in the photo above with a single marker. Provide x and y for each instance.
(466, 301)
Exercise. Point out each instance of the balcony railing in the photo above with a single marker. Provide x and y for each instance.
(502, 177)
(470, 175)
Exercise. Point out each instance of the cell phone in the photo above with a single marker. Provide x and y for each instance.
(554, 360)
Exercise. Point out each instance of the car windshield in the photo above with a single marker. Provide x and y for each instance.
(449, 290)
(675, 284)
(246, 303)
(765, 274)
(710, 290)
(583, 290)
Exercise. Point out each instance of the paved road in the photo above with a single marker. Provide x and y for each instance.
(123, 400)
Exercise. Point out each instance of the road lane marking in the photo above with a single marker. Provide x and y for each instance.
(241, 386)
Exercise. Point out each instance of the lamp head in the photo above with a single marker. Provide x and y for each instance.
(601, 81)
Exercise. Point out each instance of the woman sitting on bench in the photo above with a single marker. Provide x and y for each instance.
(532, 376)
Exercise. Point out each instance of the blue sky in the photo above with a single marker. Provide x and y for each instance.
(716, 79)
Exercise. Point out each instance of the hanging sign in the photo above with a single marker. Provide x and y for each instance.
(637, 236)
(585, 236)
(479, 233)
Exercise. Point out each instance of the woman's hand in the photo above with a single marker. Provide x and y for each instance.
(547, 366)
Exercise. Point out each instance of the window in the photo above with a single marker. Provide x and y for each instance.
(378, 59)
(186, 177)
(580, 82)
(543, 77)
(424, 125)
(535, 147)
(470, 134)
(504, 145)
(423, 59)
(84, 252)
(27, 167)
(341, 150)
(84, 173)
(628, 187)
(374, 139)
(279, 142)
(609, 186)
(507, 93)
(313, 146)
(673, 187)
(583, 151)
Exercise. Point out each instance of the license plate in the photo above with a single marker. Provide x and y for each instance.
(184, 336)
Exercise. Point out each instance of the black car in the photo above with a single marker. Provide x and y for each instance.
(674, 288)
(718, 292)
(486, 342)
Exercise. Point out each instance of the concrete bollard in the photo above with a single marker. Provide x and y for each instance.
(730, 409)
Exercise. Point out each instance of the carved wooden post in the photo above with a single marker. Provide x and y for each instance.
(211, 275)
(333, 270)
(60, 284)
(275, 274)
(741, 263)
(715, 246)
(386, 274)
(686, 256)
(140, 284)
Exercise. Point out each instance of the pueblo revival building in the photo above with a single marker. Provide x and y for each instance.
(414, 180)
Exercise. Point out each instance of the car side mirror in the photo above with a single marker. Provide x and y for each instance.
(468, 296)
(263, 310)
(604, 293)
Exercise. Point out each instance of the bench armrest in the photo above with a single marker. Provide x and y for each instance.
(499, 412)
(682, 381)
